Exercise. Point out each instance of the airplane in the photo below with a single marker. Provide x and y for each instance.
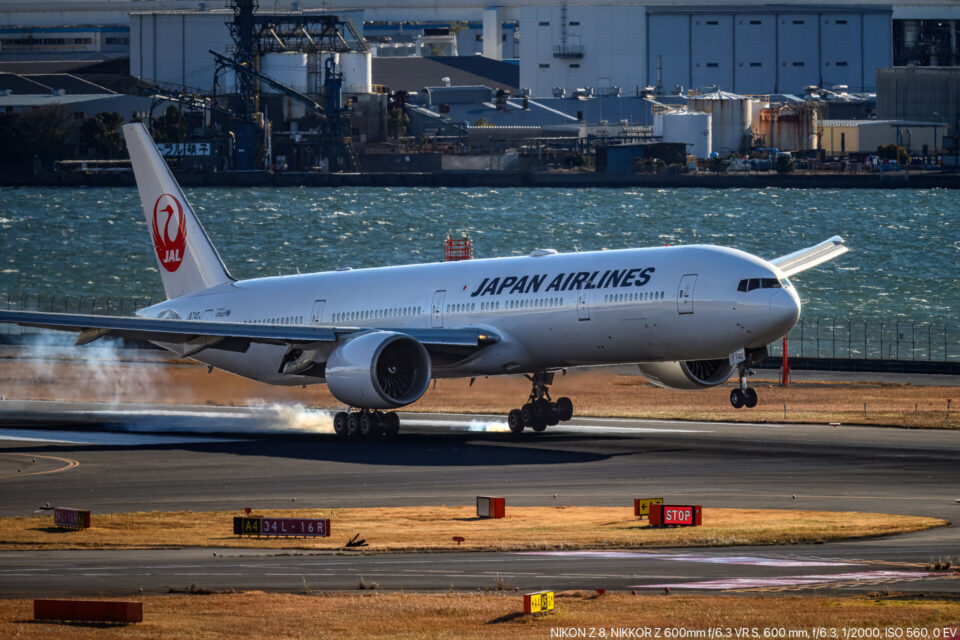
(687, 316)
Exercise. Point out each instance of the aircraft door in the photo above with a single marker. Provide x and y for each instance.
(583, 306)
(436, 310)
(316, 316)
(685, 293)
(208, 315)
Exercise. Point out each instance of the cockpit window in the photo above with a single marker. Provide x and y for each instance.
(759, 283)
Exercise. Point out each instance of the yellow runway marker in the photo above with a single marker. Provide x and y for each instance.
(69, 463)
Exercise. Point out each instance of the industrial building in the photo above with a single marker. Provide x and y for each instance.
(308, 84)
(746, 47)
(861, 137)
(920, 93)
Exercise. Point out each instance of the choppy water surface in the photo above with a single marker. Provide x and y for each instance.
(904, 259)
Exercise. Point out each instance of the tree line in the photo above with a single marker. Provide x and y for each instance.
(44, 135)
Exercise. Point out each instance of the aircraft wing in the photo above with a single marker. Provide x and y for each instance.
(811, 256)
(196, 335)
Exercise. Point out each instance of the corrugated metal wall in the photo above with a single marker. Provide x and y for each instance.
(174, 48)
(919, 93)
(782, 52)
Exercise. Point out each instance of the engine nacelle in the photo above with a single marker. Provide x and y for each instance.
(688, 374)
(378, 370)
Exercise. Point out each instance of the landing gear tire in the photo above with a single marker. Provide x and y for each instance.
(526, 415)
(544, 414)
(737, 398)
(564, 409)
(515, 421)
(353, 425)
(391, 424)
(750, 397)
(340, 423)
(368, 424)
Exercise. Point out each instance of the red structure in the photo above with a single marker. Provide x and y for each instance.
(88, 610)
(71, 518)
(454, 250)
(784, 367)
(490, 507)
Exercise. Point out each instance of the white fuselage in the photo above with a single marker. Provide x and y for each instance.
(550, 311)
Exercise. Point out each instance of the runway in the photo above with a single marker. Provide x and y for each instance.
(204, 458)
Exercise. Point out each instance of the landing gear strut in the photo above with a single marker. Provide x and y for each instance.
(540, 411)
(366, 423)
(743, 396)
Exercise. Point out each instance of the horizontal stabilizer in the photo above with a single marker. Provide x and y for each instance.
(804, 259)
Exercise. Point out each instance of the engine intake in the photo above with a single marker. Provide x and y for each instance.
(378, 370)
(688, 374)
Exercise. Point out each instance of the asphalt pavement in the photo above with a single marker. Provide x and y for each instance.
(136, 458)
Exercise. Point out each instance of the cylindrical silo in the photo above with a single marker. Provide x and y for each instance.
(693, 129)
(731, 119)
(357, 70)
(289, 68)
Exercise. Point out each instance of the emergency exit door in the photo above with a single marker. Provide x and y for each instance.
(685, 293)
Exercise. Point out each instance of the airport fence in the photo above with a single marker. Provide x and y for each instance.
(85, 305)
(815, 338)
(854, 339)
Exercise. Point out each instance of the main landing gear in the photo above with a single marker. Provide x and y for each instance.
(743, 396)
(540, 411)
(366, 423)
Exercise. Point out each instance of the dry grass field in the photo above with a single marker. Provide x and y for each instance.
(408, 616)
(433, 529)
(62, 376)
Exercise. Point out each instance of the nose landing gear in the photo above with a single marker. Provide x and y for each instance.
(540, 411)
(743, 396)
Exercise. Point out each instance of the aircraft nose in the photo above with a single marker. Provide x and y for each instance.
(784, 310)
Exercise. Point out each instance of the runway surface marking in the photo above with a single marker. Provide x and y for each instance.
(501, 427)
(785, 581)
(757, 561)
(799, 496)
(69, 463)
(111, 438)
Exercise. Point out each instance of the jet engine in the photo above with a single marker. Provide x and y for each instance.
(688, 374)
(378, 370)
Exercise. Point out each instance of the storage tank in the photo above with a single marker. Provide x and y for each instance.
(357, 71)
(289, 68)
(693, 129)
(790, 127)
(730, 119)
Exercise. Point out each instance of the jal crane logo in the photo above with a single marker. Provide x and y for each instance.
(169, 231)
